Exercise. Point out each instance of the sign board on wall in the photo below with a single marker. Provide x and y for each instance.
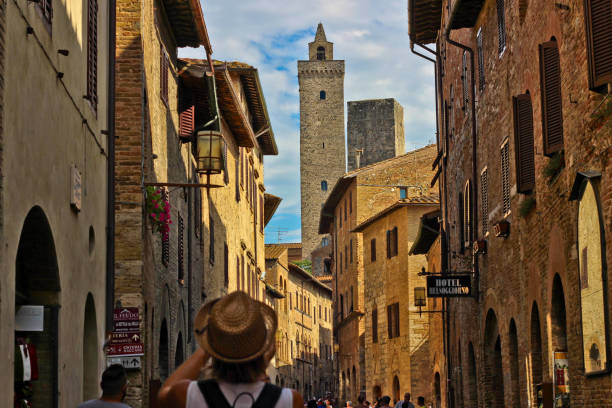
(125, 339)
(29, 318)
(127, 362)
(449, 286)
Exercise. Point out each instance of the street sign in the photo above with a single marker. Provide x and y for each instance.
(125, 338)
(126, 320)
(131, 349)
(449, 286)
(129, 363)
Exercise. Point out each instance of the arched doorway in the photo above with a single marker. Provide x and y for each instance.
(354, 377)
(535, 352)
(437, 390)
(37, 289)
(376, 392)
(179, 355)
(559, 344)
(343, 386)
(472, 373)
(163, 351)
(396, 389)
(513, 358)
(90, 351)
(494, 380)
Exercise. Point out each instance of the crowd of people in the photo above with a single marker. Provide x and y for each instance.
(236, 335)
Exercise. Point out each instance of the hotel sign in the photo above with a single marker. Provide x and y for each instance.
(449, 286)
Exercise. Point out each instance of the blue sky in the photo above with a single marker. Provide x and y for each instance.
(371, 36)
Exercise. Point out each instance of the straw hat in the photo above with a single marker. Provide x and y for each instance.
(235, 328)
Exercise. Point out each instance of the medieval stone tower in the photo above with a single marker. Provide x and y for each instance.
(322, 152)
(375, 131)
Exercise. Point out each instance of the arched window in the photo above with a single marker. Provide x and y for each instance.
(322, 94)
(321, 53)
(324, 185)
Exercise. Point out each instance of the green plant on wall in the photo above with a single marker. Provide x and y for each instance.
(526, 206)
(554, 165)
(304, 264)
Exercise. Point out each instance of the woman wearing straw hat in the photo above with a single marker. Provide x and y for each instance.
(238, 334)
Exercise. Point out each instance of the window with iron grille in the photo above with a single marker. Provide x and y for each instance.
(211, 244)
(46, 8)
(467, 214)
(180, 249)
(550, 86)
(598, 21)
(373, 250)
(501, 26)
(481, 75)
(393, 323)
(505, 176)
(92, 52)
(464, 81)
(375, 325)
(523, 143)
(484, 201)
(165, 240)
(164, 66)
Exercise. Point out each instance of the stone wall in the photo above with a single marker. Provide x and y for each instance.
(375, 131)
(322, 151)
(516, 275)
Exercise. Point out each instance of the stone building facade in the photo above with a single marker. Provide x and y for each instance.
(304, 346)
(54, 69)
(322, 151)
(160, 275)
(532, 156)
(355, 197)
(375, 131)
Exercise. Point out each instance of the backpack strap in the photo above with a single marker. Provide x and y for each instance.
(269, 396)
(212, 394)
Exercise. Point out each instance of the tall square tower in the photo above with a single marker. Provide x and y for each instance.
(322, 151)
(375, 131)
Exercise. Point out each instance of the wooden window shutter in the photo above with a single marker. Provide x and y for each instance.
(396, 321)
(186, 113)
(481, 76)
(226, 178)
(395, 251)
(484, 201)
(237, 166)
(501, 26)
(92, 51)
(390, 321)
(460, 219)
(197, 209)
(180, 249)
(388, 243)
(375, 326)
(505, 176)
(598, 21)
(523, 136)
(550, 86)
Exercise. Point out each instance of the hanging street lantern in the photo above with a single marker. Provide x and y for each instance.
(419, 297)
(209, 151)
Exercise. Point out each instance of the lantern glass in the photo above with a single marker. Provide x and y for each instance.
(419, 297)
(210, 152)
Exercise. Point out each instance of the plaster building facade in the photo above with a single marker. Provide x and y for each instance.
(304, 350)
(375, 131)
(525, 176)
(54, 154)
(355, 197)
(396, 335)
(322, 150)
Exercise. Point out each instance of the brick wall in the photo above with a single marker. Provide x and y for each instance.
(375, 128)
(517, 273)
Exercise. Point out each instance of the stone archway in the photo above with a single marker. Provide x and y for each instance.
(558, 322)
(472, 375)
(162, 356)
(396, 389)
(535, 351)
(37, 283)
(179, 354)
(90, 351)
(437, 390)
(513, 359)
(494, 378)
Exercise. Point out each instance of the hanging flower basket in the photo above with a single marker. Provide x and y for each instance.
(158, 211)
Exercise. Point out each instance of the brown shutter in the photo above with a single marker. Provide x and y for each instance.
(388, 243)
(375, 326)
(501, 25)
(395, 241)
(523, 143)
(598, 22)
(92, 51)
(373, 250)
(390, 321)
(238, 176)
(550, 85)
(186, 114)
(396, 321)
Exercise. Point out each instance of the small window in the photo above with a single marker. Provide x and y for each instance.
(375, 326)
(324, 242)
(403, 192)
(321, 53)
(373, 250)
(92, 50)
(322, 95)
(324, 185)
(501, 26)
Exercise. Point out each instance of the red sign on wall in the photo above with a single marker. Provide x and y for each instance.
(132, 349)
(126, 320)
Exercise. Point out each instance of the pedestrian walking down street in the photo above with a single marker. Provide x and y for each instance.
(238, 334)
(420, 402)
(114, 387)
(405, 403)
(384, 402)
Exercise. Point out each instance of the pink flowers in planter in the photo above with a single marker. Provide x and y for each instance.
(157, 209)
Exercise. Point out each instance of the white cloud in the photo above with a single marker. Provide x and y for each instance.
(370, 35)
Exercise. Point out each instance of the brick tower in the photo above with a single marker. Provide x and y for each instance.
(322, 153)
(375, 131)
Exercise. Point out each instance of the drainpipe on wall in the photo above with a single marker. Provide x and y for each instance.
(110, 172)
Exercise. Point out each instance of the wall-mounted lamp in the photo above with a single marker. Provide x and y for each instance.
(210, 152)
